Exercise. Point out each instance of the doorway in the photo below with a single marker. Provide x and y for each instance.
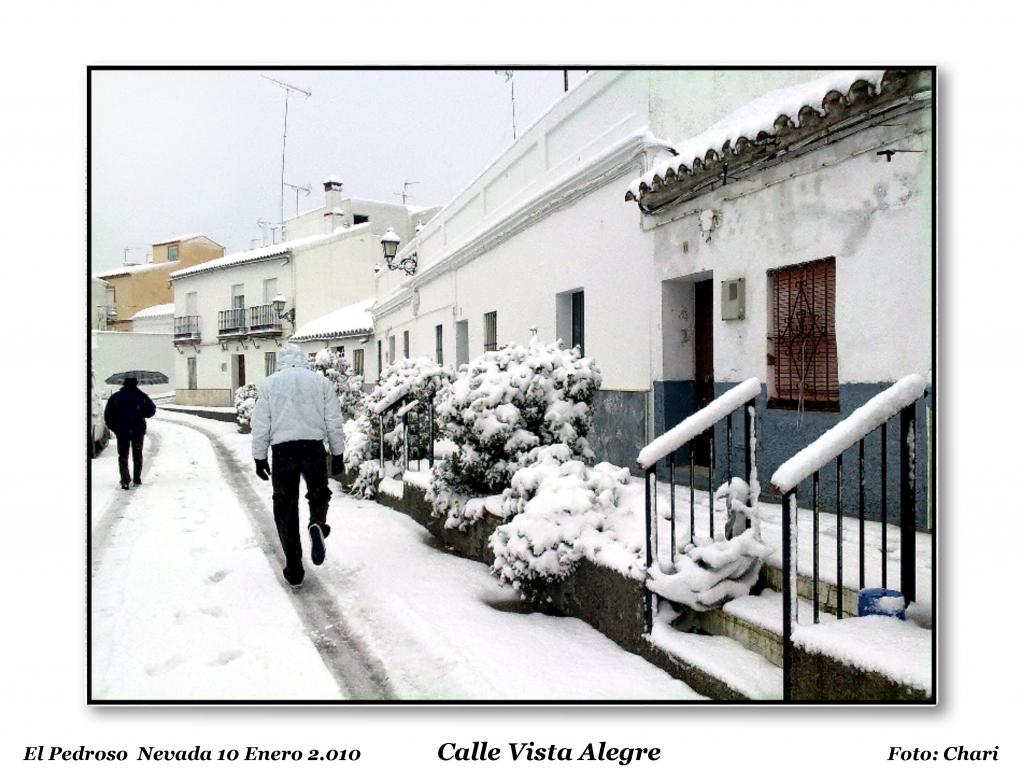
(237, 371)
(461, 343)
(703, 360)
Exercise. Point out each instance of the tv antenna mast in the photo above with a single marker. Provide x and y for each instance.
(288, 88)
(405, 191)
(307, 189)
(510, 77)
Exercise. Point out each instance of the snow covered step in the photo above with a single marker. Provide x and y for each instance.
(742, 671)
(755, 622)
(827, 591)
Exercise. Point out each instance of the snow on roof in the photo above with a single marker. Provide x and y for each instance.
(266, 252)
(333, 180)
(167, 309)
(351, 320)
(128, 270)
(754, 118)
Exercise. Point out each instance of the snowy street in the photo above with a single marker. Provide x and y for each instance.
(189, 602)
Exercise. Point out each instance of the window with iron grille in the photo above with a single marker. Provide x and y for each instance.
(405, 343)
(357, 361)
(439, 344)
(269, 363)
(803, 368)
(380, 358)
(391, 349)
(577, 321)
(491, 331)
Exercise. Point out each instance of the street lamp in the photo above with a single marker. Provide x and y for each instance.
(279, 302)
(389, 243)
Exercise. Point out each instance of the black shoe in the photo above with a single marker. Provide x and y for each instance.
(294, 579)
(137, 482)
(125, 485)
(318, 549)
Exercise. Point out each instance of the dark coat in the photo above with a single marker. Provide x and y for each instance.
(127, 411)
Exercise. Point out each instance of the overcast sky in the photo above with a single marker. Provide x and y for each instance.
(176, 152)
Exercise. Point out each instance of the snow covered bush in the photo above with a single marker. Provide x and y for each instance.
(501, 407)
(349, 386)
(245, 401)
(357, 456)
(561, 510)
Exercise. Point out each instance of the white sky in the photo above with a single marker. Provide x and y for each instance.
(177, 152)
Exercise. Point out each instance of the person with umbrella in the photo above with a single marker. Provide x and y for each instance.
(296, 412)
(125, 415)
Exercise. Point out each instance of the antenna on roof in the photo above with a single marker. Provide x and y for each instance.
(510, 77)
(288, 88)
(307, 189)
(405, 191)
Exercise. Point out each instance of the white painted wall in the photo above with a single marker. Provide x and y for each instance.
(874, 217)
(593, 241)
(163, 325)
(121, 351)
(213, 291)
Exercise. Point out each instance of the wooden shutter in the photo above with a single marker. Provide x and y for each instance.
(802, 355)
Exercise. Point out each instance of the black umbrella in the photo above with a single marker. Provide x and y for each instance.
(144, 376)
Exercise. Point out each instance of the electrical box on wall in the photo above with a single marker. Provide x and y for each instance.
(733, 299)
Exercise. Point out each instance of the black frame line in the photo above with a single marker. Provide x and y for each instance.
(92, 701)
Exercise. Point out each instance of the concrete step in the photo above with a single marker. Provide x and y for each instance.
(719, 666)
(755, 622)
(827, 591)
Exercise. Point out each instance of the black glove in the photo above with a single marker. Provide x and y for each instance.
(263, 469)
(337, 465)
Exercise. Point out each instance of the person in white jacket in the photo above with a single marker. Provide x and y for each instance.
(296, 412)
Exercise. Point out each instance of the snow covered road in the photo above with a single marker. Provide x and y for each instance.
(188, 601)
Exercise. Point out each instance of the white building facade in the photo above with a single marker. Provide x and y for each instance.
(540, 241)
(233, 313)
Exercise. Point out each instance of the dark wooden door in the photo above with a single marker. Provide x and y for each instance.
(241, 371)
(703, 358)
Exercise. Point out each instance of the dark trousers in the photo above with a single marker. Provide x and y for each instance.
(289, 461)
(124, 442)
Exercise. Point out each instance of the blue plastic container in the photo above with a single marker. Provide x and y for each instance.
(881, 602)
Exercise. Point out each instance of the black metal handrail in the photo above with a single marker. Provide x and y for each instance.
(186, 327)
(406, 410)
(900, 399)
(231, 321)
(701, 425)
(263, 318)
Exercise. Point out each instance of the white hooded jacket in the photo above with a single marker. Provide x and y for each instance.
(296, 403)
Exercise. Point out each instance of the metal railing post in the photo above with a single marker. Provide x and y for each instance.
(648, 594)
(788, 569)
(908, 501)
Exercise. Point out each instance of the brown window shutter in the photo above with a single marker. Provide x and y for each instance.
(802, 353)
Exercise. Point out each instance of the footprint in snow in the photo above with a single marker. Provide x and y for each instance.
(224, 657)
(216, 578)
(154, 670)
(214, 611)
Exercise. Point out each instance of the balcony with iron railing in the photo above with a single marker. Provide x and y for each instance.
(264, 320)
(231, 323)
(186, 328)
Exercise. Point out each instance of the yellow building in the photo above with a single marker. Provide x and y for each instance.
(131, 288)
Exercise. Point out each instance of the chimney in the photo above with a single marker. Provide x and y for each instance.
(334, 216)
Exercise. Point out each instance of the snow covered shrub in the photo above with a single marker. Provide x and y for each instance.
(412, 379)
(349, 386)
(245, 401)
(561, 511)
(502, 406)
(357, 456)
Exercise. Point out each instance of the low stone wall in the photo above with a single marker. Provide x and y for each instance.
(205, 397)
(822, 678)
